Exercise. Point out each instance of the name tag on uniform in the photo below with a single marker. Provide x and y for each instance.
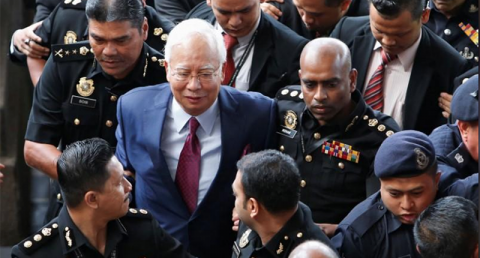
(236, 249)
(82, 101)
(290, 133)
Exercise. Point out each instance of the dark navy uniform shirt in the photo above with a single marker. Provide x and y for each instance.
(452, 152)
(335, 161)
(450, 29)
(297, 230)
(136, 234)
(371, 231)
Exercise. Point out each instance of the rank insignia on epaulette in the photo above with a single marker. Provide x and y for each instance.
(70, 37)
(69, 237)
(244, 239)
(291, 119)
(74, 2)
(473, 8)
(280, 249)
(341, 151)
(157, 31)
(471, 32)
(72, 52)
(85, 87)
(164, 37)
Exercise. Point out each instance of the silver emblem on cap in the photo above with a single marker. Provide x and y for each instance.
(422, 159)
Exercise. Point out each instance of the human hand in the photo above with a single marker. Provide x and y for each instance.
(328, 229)
(27, 42)
(444, 101)
(270, 9)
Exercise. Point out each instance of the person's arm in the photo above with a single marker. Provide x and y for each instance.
(27, 42)
(166, 245)
(35, 67)
(42, 156)
(271, 9)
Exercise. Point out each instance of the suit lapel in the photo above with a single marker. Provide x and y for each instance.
(419, 81)
(361, 55)
(262, 50)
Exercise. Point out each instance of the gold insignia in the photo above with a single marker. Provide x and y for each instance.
(109, 123)
(47, 231)
(341, 165)
(27, 244)
(154, 59)
(164, 37)
(308, 158)
(84, 51)
(76, 121)
(142, 211)
(422, 159)
(132, 210)
(473, 8)
(67, 237)
(285, 92)
(381, 128)
(59, 196)
(285, 237)
(145, 68)
(157, 31)
(303, 183)
(59, 53)
(162, 62)
(67, 53)
(300, 235)
(389, 133)
(37, 237)
(280, 249)
(70, 37)
(372, 122)
(54, 225)
(293, 94)
(244, 238)
(85, 87)
(365, 117)
(467, 54)
(282, 148)
(291, 119)
(74, 51)
(317, 136)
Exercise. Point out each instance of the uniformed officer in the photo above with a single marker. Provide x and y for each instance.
(95, 222)
(456, 22)
(76, 96)
(68, 24)
(273, 221)
(456, 145)
(331, 133)
(382, 225)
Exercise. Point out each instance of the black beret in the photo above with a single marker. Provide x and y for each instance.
(404, 154)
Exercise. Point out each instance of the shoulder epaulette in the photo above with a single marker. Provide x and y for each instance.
(376, 125)
(45, 234)
(291, 92)
(74, 4)
(155, 58)
(72, 52)
(138, 213)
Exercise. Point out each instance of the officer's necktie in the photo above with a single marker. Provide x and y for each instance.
(188, 169)
(230, 42)
(374, 92)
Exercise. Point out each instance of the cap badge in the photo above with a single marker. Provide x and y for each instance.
(422, 159)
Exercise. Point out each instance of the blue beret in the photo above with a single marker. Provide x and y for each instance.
(465, 101)
(404, 154)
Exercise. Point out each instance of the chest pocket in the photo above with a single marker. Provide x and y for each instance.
(80, 122)
(339, 174)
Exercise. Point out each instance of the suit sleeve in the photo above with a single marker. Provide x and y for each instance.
(121, 153)
(270, 140)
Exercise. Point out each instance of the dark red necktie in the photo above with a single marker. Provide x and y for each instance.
(188, 169)
(374, 92)
(230, 42)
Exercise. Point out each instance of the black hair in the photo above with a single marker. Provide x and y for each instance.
(116, 10)
(391, 9)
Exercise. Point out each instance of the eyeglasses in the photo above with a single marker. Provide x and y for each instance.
(204, 77)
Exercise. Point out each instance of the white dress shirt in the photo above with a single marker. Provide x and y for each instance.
(175, 132)
(242, 82)
(395, 79)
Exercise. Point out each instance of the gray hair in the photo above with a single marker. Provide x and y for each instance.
(185, 29)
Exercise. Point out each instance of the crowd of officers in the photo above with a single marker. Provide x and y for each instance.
(371, 105)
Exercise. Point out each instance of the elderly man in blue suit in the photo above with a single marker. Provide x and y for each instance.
(182, 139)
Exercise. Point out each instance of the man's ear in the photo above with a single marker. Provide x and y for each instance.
(209, 3)
(253, 207)
(418, 249)
(145, 28)
(463, 127)
(425, 15)
(353, 79)
(344, 6)
(91, 199)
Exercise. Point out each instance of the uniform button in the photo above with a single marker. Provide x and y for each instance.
(154, 59)
(282, 148)
(286, 238)
(109, 123)
(27, 244)
(308, 158)
(447, 32)
(59, 197)
(303, 183)
(341, 165)
(113, 98)
(37, 237)
(54, 225)
(316, 136)
(300, 235)
(76, 121)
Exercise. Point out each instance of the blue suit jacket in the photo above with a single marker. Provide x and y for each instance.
(246, 119)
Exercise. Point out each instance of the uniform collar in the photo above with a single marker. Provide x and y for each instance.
(206, 119)
(72, 238)
(393, 224)
(407, 56)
